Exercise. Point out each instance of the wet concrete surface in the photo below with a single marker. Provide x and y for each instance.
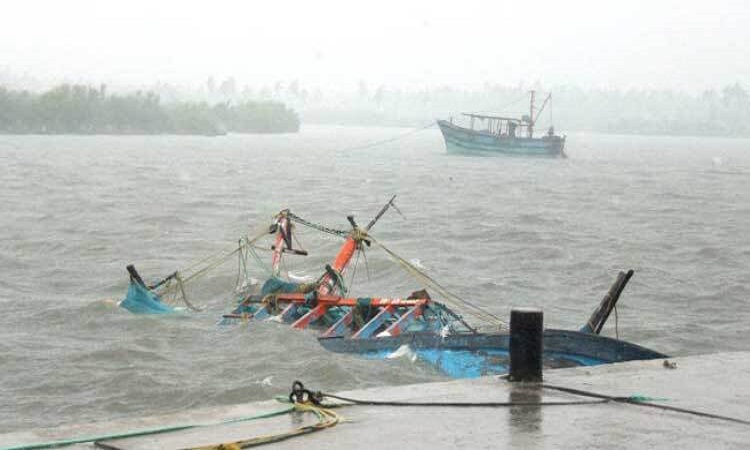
(715, 384)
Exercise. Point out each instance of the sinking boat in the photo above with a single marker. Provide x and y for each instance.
(324, 304)
(503, 135)
(435, 332)
(473, 354)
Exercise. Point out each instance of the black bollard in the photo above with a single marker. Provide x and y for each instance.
(526, 344)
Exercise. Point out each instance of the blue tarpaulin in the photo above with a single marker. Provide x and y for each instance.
(140, 300)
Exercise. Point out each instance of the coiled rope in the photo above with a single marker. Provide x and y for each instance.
(141, 432)
(326, 419)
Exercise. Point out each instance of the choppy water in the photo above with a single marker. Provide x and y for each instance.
(502, 231)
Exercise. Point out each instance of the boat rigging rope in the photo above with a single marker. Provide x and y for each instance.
(429, 282)
(354, 268)
(213, 261)
(262, 264)
(423, 278)
(522, 97)
(316, 226)
(241, 267)
(181, 284)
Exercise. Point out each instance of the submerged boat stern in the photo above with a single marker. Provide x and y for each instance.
(472, 355)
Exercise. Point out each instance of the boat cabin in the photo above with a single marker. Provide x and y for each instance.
(502, 126)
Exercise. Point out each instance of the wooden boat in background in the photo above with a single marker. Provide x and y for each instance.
(502, 135)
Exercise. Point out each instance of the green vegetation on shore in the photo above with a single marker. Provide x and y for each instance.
(721, 111)
(79, 109)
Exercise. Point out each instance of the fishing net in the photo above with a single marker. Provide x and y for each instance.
(178, 290)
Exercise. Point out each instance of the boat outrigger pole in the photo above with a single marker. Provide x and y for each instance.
(539, 113)
(382, 211)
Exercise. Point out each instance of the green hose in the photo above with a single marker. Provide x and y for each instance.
(128, 434)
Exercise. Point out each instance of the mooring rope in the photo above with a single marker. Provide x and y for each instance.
(299, 393)
(317, 397)
(141, 432)
(326, 419)
(645, 401)
(393, 139)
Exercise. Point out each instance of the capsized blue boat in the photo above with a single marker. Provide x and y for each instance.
(472, 355)
(145, 299)
(140, 300)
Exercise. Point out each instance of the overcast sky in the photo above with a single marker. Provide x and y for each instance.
(333, 44)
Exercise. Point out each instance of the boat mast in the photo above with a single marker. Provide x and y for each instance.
(531, 114)
(357, 235)
(283, 229)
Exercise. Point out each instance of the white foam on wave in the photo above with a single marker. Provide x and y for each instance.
(405, 352)
(300, 277)
(417, 263)
(247, 284)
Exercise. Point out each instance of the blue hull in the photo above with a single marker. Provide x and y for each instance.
(464, 140)
(473, 355)
(140, 300)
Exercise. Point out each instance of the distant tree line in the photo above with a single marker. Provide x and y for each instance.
(80, 109)
(719, 112)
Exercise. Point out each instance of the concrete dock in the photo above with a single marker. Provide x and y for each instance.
(716, 384)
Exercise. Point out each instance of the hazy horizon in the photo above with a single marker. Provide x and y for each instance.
(333, 45)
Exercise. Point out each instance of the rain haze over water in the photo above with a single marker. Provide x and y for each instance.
(651, 95)
(663, 44)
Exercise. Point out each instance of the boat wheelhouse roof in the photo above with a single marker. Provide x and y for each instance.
(485, 116)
